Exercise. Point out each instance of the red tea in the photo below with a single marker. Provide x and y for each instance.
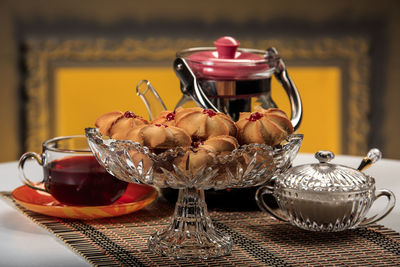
(80, 180)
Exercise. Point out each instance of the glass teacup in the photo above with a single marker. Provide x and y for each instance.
(71, 174)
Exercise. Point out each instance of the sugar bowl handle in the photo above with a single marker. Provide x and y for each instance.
(30, 155)
(275, 212)
(382, 213)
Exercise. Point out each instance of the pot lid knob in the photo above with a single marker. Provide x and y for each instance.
(226, 47)
(324, 156)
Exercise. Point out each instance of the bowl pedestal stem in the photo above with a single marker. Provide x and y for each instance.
(190, 233)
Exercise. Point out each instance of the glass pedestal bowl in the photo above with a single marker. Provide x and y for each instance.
(191, 233)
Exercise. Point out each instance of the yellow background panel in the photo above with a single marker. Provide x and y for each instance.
(320, 91)
(82, 94)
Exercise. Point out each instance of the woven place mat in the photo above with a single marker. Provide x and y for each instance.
(258, 240)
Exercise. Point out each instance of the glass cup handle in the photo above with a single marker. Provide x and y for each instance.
(383, 213)
(274, 212)
(26, 156)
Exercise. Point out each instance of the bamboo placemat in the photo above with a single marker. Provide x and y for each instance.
(258, 240)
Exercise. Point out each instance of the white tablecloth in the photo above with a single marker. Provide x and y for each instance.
(23, 243)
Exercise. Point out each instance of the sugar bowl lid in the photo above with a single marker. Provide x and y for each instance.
(325, 176)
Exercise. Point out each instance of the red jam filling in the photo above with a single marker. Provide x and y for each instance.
(209, 112)
(161, 125)
(196, 144)
(255, 116)
(129, 114)
(196, 141)
(170, 116)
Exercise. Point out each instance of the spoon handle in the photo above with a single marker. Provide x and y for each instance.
(373, 156)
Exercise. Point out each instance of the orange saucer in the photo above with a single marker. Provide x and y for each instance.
(136, 197)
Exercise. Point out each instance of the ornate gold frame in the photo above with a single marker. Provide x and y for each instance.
(43, 56)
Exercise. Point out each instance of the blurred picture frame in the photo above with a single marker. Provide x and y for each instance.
(44, 56)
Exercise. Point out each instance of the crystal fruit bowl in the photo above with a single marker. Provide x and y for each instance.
(191, 233)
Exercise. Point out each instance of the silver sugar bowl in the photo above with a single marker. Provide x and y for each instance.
(324, 196)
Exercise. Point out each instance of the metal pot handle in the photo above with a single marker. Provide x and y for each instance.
(190, 85)
(283, 77)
